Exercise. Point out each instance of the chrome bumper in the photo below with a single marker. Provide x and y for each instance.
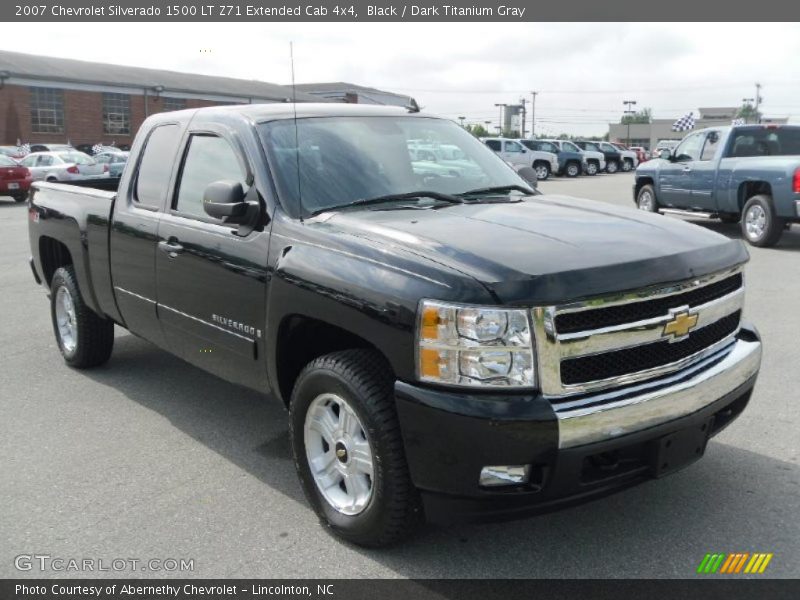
(607, 416)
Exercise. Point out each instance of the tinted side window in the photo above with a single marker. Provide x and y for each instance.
(208, 159)
(494, 145)
(155, 167)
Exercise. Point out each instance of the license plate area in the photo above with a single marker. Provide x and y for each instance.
(680, 448)
(13, 186)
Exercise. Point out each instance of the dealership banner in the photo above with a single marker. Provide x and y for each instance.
(398, 11)
(371, 589)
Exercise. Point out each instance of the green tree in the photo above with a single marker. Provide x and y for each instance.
(477, 130)
(641, 116)
(749, 113)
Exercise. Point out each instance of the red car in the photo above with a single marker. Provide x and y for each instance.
(15, 180)
(641, 153)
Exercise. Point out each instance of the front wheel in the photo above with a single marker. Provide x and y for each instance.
(573, 169)
(646, 199)
(20, 197)
(542, 171)
(760, 226)
(627, 165)
(84, 338)
(591, 168)
(348, 450)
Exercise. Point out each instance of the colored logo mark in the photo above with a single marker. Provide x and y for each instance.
(735, 563)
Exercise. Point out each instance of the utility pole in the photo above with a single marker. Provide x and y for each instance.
(533, 114)
(522, 101)
(748, 101)
(630, 112)
(462, 121)
(758, 101)
(500, 122)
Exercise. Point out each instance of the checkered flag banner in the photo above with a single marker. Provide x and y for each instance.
(736, 122)
(24, 149)
(685, 123)
(98, 147)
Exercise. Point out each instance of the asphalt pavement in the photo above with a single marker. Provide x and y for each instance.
(150, 458)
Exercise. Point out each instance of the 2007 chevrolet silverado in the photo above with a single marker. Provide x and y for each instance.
(453, 345)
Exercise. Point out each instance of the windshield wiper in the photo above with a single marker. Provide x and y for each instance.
(498, 189)
(393, 198)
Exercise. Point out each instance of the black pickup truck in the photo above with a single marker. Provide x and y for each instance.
(448, 344)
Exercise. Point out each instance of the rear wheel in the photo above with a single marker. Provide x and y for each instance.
(348, 449)
(612, 167)
(20, 197)
(542, 170)
(591, 168)
(646, 199)
(760, 226)
(627, 165)
(573, 169)
(84, 338)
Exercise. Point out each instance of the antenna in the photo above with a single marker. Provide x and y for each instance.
(296, 133)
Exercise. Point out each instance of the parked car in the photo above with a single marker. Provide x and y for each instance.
(630, 158)
(641, 153)
(15, 180)
(570, 163)
(594, 161)
(664, 145)
(63, 166)
(467, 350)
(514, 152)
(115, 160)
(13, 152)
(52, 148)
(611, 155)
(748, 174)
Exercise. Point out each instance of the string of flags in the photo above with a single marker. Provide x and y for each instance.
(736, 122)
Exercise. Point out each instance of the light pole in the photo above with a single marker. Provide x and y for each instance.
(500, 126)
(748, 101)
(533, 114)
(630, 112)
(488, 126)
(758, 101)
(462, 121)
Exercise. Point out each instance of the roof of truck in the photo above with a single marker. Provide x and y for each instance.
(287, 110)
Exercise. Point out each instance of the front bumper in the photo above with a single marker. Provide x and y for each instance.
(574, 454)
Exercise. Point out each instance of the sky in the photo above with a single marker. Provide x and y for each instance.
(582, 71)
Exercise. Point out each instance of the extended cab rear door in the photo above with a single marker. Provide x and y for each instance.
(211, 279)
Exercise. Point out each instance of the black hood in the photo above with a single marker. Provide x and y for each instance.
(550, 248)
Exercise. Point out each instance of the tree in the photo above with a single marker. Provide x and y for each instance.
(477, 130)
(641, 116)
(748, 113)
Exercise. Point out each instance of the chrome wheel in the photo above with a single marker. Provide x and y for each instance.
(541, 172)
(66, 320)
(572, 170)
(591, 169)
(646, 201)
(755, 222)
(339, 454)
(611, 167)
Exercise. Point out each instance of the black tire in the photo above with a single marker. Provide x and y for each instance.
(542, 170)
(612, 167)
(592, 168)
(20, 197)
(95, 336)
(364, 380)
(773, 226)
(730, 218)
(646, 199)
(627, 165)
(573, 169)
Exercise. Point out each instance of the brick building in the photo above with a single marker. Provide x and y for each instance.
(45, 99)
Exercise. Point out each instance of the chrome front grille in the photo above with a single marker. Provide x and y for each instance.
(612, 341)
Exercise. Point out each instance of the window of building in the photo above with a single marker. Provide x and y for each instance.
(116, 114)
(170, 104)
(47, 110)
(208, 159)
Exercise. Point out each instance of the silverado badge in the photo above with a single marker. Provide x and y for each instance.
(681, 324)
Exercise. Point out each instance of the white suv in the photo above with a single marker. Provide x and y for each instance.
(515, 153)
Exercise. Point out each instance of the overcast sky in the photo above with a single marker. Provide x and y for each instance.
(583, 71)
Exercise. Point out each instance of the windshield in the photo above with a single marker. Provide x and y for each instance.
(347, 159)
(781, 141)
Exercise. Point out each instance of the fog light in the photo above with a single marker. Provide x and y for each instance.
(505, 475)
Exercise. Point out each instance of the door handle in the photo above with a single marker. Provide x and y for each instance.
(171, 248)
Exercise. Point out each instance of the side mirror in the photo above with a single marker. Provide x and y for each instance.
(524, 150)
(665, 154)
(224, 198)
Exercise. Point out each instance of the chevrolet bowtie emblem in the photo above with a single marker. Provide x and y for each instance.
(680, 325)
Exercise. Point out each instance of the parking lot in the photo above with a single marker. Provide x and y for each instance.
(148, 457)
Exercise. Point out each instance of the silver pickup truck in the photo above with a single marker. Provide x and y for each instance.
(748, 174)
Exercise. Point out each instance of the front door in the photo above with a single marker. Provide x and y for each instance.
(514, 153)
(704, 173)
(675, 176)
(211, 281)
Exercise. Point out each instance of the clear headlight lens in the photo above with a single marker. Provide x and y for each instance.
(474, 346)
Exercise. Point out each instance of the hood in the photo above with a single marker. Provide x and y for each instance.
(592, 154)
(548, 249)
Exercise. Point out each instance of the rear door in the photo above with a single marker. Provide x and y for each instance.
(675, 175)
(212, 281)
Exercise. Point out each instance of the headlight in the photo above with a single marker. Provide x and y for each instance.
(474, 346)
